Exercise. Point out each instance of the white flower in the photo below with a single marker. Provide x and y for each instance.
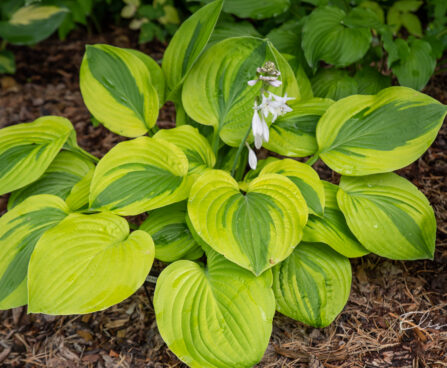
(252, 82)
(282, 100)
(258, 126)
(268, 106)
(252, 159)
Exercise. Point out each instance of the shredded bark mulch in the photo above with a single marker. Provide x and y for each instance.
(396, 315)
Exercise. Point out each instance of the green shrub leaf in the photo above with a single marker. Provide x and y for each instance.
(78, 197)
(172, 238)
(255, 230)
(7, 62)
(362, 135)
(117, 89)
(62, 175)
(219, 81)
(415, 69)
(293, 134)
(87, 263)
(326, 38)
(20, 229)
(217, 317)
(312, 285)
(139, 175)
(333, 84)
(305, 178)
(26, 150)
(389, 216)
(187, 44)
(331, 228)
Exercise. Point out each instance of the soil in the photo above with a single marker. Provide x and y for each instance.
(396, 315)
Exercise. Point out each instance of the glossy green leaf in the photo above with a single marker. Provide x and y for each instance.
(293, 134)
(216, 317)
(87, 263)
(219, 81)
(331, 228)
(305, 178)
(139, 175)
(334, 84)
(255, 230)
(20, 229)
(326, 38)
(415, 69)
(194, 145)
(312, 285)
(7, 62)
(187, 44)
(362, 135)
(256, 9)
(301, 76)
(117, 89)
(370, 81)
(172, 238)
(389, 216)
(65, 171)
(26, 150)
(32, 24)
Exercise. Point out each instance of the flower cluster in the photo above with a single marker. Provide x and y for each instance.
(265, 104)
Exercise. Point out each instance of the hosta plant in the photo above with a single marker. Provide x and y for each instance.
(243, 238)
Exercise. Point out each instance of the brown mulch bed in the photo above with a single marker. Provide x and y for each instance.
(396, 315)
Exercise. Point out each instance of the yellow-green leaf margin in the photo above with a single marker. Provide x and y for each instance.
(363, 135)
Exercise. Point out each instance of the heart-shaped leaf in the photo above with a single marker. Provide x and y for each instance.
(362, 135)
(20, 229)
(65, 171)
(78, 197)
(305, 178)
(389, 216)
(331, 228)
(26, 150)
(117, 89)
(312, 285)
(326, 38)
(217, 317)
(293, 134)
(87, 263)
(169, 231)
(219, 81)
(139, 175)
(255, 230)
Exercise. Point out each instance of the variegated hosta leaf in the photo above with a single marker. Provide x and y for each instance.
(194, 145)
(78, 197)
(362, 135)
(187, 44)
(312, 285)
(32, 24)
(331, 228)
(326, 38)
(216, 317)
(87, 263)
(305, 178)
(255, 230)
(138, 176)
(389, 216)
(293, 134)
(219, 81)
(65, 171)
(171, 234)
(157, 76)
(117, 89)
(20, 229)
(26, 150)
